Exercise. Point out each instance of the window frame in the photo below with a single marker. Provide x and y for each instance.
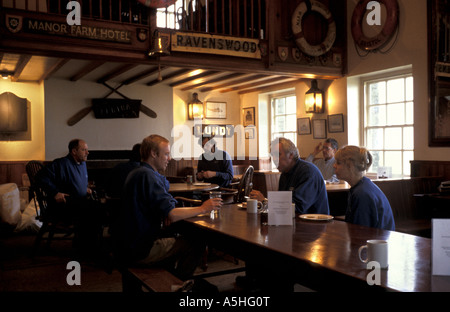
(387, 76)
(272, 97)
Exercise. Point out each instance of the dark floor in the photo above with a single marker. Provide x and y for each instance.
(47, 272)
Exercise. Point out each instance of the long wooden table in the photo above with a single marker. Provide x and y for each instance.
(321, 255)
(186, 188)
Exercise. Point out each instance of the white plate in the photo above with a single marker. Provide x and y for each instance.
(316, 217)
(201, 184)
(243, 205)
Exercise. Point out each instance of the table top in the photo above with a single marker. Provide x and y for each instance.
(330, 247)
(337, 187)
(184, 187)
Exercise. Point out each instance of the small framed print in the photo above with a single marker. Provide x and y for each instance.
(319, 129)
(249, 116)
(250, 133)
(303, 126)
(336, 123)
(216, 110)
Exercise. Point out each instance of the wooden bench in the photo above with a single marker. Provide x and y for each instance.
(153, 279)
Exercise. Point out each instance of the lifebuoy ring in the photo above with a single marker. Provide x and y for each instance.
(297, 17)
(157, 3)
(378, 41)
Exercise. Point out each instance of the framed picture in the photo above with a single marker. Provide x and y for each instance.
(250, 133)
(336, 123)
(319, 128)
(249, 116)
(304, 125)
(216, 110)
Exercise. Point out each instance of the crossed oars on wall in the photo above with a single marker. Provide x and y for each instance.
(82, 113)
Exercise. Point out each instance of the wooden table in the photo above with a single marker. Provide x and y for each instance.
(187, 188)
(321, 255)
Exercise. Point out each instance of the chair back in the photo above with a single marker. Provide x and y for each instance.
(245, 185)
(32, 168)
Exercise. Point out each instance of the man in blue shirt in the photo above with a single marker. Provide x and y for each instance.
(214, 165)
(302, 178)
(65, 180)
(147, 206)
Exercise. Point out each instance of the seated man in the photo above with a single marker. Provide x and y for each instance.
(325, 164)
(66, 182)
(214, 165)
(302, 178)
(146, 205)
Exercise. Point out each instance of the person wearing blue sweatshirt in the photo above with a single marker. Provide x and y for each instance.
(367, 205)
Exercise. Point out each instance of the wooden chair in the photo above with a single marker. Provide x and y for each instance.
(245, 184)
(51, 224)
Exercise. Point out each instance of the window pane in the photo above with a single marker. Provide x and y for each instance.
(280, 123)
(395, 114)
(377, 93)
(394, 160)
(291, 105)
(377, 115)
(409, 113)
(279, 106)
(393, 138)
(407, 157)
(395, 90)
(291, 123)
(291, 136)
(408, 138)
(377, 161)
(409, 89)
(375, 138)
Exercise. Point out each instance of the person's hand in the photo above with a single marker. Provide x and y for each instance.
(318, 149)
(209, 174)
(61, 197)
(255, 194)
(89, 191)
(212, 204)
(200, 175)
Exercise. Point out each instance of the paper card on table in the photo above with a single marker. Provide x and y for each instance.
(280, 208)
(440, 261)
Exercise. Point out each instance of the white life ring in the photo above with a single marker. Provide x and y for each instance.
(297, 17)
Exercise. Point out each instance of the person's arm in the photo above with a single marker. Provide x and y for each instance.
(316, 151)
(177, 214)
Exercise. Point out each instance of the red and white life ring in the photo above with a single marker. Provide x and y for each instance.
(297, 17)
(390, 25)
(157, 3)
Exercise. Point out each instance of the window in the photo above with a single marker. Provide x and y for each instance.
(167, 18)
(284, 117)
(389, 123)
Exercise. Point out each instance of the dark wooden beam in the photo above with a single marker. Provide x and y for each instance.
(142, 75)
(202, 75)
(20, 66)
(118, 71)
(86, 70)
(234, 82)
(170, 76)
(227, 77)
(53, 69)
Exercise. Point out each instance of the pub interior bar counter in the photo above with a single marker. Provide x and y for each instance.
(323, 255)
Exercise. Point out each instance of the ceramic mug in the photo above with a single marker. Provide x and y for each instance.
(252, 205)
(377, 250)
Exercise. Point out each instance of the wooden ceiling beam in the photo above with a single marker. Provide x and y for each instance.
(202, 75)
(142, 75)
(234, 82)
(272, 87)
(170, 76)
(256, 84)
(53, 69)
(86, 70)
(20, 66)
(118, 71)
(226, 77)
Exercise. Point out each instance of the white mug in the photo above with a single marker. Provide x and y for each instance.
(252, 205)
(377, 250)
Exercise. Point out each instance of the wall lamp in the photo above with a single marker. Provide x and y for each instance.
(195, 108)
(314, 99)
(6, 74)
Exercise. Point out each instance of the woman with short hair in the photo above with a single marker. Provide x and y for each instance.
(367, 205)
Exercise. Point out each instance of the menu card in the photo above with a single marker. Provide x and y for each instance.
(279, 208)
(441, 247)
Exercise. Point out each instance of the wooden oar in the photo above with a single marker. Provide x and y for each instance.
(78, 116)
